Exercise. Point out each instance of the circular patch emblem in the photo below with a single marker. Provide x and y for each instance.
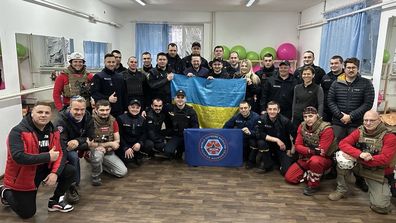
(213, 147)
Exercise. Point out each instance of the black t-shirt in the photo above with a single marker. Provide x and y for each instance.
(43, 139)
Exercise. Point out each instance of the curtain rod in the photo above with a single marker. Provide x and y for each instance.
(25, 92)
(324, 21)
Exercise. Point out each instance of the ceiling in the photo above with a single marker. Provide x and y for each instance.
(214, 5)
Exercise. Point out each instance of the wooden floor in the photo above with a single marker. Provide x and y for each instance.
(164, 191)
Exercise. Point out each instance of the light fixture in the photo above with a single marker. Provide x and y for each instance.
(250, 3)
(140, 2)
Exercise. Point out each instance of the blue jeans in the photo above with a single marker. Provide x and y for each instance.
(74, 160)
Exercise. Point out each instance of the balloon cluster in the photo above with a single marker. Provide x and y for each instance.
(285, 51)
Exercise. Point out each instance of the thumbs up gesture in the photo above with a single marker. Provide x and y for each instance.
(113, 98)
(53, 154)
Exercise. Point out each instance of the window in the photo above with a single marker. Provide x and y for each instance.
(154, 38)
(94, 53)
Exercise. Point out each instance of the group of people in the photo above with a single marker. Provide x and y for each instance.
(122, 115)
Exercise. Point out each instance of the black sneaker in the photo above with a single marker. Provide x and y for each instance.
(3, 200)
(60, 205)
(72, 196)
(309, 191)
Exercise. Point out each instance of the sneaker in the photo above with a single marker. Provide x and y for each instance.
(335, 196)
(96, 181)
(60, 205)
(3, 200)
(72, 196)
(379, 210)
(264, 170)
(309, 191)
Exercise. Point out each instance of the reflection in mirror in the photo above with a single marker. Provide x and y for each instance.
(40, 58)
(2, 82)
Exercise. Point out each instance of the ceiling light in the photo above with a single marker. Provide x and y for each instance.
(140, 2)
(250, 3)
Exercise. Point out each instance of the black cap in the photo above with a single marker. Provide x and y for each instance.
(181, 92)
(135, 101)
(285, 62)
(196, 44)
(217, 60)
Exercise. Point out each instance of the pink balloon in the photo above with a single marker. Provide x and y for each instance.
(256, 68)
(286, 51)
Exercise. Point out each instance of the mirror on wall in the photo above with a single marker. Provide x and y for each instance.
(2, 82)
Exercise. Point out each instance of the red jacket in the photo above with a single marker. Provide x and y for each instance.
(388, 150)
(326, 138)
(23, 156)
(60, 82)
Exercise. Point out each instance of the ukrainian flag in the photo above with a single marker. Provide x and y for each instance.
(215, 101)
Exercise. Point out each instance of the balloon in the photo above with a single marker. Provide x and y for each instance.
(269, 50)
(240, 50)
(21, 50)
(386, 56)
(251, 55)
(226, 54)
(256, 68)
(286, 51)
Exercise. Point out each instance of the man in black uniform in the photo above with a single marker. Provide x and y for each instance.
(268, 70)
(195, 50)
(246, 121)
(133, 134)
(308, 59)
(159, 79)
(135, 81)
(155, 117)
(174, 60)
(279, 88)
(273, 137)
(76, 129)
(218, 54)
(117, 55)
(181, 116)
(337, 69)
(109, 85)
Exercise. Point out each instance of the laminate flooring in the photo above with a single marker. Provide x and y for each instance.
(171, 191)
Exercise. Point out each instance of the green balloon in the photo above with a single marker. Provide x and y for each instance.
(251, 55)
(386, 56)
(269, 50)
(21, 50)
(226, 53)
(240, 50)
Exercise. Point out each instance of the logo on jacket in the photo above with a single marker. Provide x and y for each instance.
(213, 147)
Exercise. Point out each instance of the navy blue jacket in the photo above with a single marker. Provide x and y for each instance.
(239, 122)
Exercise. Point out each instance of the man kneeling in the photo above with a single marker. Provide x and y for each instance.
(107, 140)
(372, 146)
(314, 143)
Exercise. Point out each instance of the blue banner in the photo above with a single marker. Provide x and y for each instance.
(213, 147)
(215, 101)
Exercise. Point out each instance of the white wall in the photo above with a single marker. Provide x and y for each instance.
(23, 17)
(255, 30)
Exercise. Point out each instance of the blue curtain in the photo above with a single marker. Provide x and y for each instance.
(350, 36)
(94, 53)
(152, 38)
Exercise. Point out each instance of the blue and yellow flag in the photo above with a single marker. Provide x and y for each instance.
(215, 101)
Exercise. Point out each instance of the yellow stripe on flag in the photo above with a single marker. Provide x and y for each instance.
(213, 117)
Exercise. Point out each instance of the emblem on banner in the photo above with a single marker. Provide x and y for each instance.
(213, 147)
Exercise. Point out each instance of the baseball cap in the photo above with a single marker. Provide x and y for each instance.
(134, 101)
(285, 62)
(181, 92)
